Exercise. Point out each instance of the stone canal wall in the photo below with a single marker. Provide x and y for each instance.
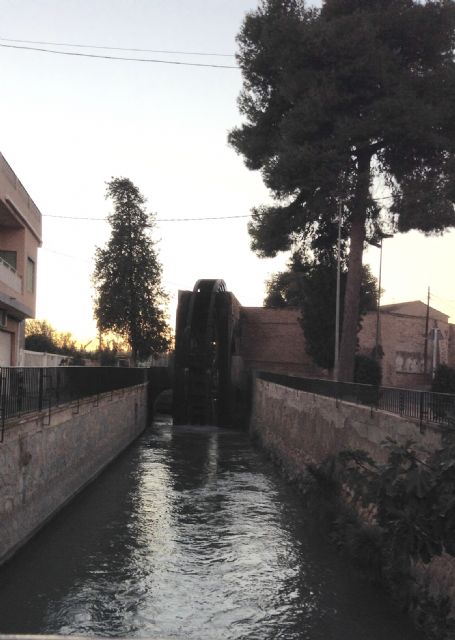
(302, 428)
(46, 459)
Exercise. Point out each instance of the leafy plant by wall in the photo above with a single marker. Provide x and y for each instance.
(444, 379)
(399, 514)
(367, 370)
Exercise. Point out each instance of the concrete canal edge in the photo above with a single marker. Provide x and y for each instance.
(47, 458)
(300, 429)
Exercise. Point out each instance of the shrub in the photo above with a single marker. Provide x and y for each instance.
(367, 370)
(444, 379)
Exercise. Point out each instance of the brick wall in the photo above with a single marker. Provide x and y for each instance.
(273, 340)
(402, 337)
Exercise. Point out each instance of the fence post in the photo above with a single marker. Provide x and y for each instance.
(57, 388)
(421, 412)
(40, 389)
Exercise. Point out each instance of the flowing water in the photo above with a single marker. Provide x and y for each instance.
(191, 534)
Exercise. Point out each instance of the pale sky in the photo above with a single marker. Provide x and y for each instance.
(68, 124)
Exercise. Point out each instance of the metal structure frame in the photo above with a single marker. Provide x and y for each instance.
(202, 385)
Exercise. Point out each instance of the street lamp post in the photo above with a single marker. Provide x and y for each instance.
(378, 304)
(336, 360)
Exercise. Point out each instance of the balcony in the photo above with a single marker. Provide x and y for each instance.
(17, 209)
(10, 277)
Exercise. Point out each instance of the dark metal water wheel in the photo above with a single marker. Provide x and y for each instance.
(201, 353)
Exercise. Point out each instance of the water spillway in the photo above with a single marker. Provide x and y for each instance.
(190, 534)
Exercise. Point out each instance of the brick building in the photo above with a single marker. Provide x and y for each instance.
(272, 340)
(20, 237)
(402, 337)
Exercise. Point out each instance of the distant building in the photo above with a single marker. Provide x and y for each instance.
(20, 237)
(402, 337)
(273, 340)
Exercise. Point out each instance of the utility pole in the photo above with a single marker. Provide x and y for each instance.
(436, 332)
(425, 349)
(336, 360)
(378, 301)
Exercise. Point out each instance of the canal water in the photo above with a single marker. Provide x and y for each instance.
(191, 534)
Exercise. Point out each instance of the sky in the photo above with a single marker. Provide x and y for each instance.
(69, 124)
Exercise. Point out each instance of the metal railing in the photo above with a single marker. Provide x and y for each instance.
(10, 276)
(425, 406)
(28, 389)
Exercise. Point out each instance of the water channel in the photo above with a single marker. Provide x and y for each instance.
(191, 534)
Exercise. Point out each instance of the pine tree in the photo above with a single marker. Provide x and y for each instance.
(338, 100)
(129, 296)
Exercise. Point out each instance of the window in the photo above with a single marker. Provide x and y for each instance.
(30, 279)
(10, 257)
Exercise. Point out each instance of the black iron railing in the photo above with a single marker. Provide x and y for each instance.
(27, 389)
(424, 406)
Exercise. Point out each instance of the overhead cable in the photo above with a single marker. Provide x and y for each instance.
(94, 46)
(170, 219)
(156, 220)
(118, 58)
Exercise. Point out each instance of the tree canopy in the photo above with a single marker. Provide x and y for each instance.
(351, 103)
(41, 336)
(129, 298)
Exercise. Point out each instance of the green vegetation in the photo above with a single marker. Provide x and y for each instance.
(401, 513)
(344, 102)
(129, 298)
(444, 379)
(367, 370)
(41, 336)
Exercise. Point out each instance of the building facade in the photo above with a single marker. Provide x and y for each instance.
(404, 337)
(20, 237)
(272, 340)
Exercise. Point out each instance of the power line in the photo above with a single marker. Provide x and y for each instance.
(66, 255)
(157, 220)
(47, 215)
(86, 261)
(450, 301)
(196, 219)
(170, 219)
(93, 46)
(122, 58)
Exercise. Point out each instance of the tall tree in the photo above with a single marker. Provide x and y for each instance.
(127, 278)
(343, 102)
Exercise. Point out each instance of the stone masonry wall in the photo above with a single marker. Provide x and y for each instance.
(301, 428)
(43, 466)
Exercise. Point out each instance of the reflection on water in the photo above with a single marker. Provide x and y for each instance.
(190, 534)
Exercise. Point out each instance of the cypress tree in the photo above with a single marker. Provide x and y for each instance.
(129, 298)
